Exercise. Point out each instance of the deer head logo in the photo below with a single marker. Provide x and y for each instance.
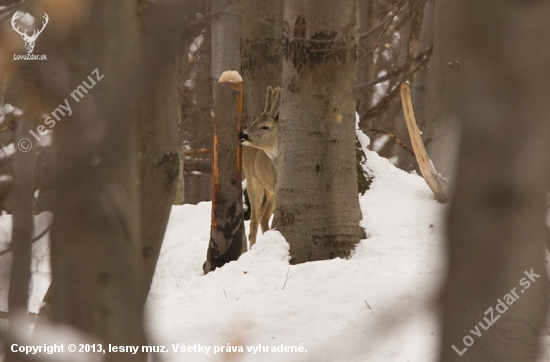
(29, 39)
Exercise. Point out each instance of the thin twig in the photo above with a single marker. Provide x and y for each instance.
(390, 17)
(291, 37)
(286, 280)
(35, 239)
(201, 151)
(385, 102)
(10, 119)
(422, 60)
(396, 139)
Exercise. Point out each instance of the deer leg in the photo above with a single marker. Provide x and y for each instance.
(267, 211)
(256, 195)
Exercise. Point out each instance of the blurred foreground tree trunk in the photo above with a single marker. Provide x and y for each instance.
(95, 239)
(22, 228)
(495, 298)
(160, 114)
(317, 206)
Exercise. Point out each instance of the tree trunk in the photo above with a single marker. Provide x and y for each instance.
(317, 199)
(496, 223)
(199, 123)
(226, 37)
(160, 109)
(261, 53)
(434, 87)
(420, 91)
(95, 239)
(22, 228)
(227, 234)
(183, 70)
(365, 68)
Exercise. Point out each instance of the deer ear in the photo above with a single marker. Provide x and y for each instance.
(276, 104)
(268, 99)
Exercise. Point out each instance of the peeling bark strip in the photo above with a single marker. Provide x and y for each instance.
(426, 167)
(227, 235)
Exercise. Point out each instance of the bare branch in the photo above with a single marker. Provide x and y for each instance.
(33, 240)
(399, 142)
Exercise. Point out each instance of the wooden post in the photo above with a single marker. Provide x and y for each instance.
(227, 234)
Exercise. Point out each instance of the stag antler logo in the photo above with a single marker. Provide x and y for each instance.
(29, 40)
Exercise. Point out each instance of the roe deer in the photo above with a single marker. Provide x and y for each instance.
(260, 163)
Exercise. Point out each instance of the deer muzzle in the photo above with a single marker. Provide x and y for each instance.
(244, 139)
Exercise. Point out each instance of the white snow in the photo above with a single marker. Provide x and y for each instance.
(376, 306)
(40, 266)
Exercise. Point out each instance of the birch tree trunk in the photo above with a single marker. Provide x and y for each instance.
(317, 207)
(496, 223)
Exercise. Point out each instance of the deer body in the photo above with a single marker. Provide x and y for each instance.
(260, 163)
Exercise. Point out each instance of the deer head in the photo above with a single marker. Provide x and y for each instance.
(264, 132)
(29, 40)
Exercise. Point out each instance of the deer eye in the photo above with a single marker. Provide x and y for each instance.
(265, 128)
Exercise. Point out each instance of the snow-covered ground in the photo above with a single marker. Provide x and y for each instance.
(40, 266)
(376, 306)
(379, 305)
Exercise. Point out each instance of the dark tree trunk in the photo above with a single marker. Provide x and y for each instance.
(183, 70)
(95, 239)
(227, 234)
(316, 196)
(496, 223)
(22, 229)
(160, 109)
(199, 124)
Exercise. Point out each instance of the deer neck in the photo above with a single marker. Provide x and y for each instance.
(273, 155)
